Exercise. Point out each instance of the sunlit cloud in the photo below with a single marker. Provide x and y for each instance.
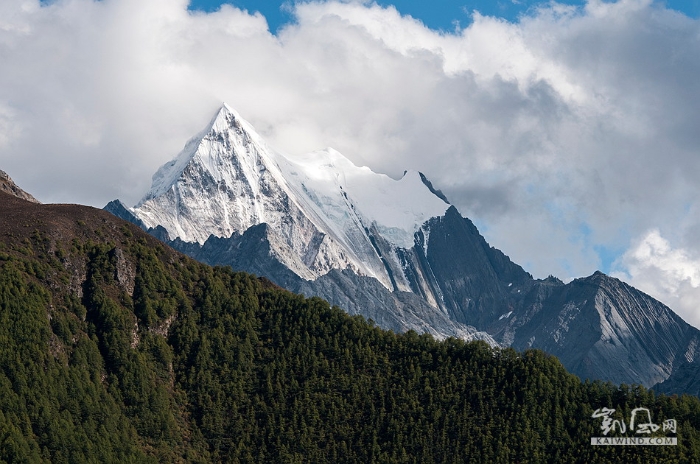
(671, 275)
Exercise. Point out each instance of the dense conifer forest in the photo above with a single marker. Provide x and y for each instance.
(114, 348)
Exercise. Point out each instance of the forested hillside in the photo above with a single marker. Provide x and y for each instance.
(114, 348)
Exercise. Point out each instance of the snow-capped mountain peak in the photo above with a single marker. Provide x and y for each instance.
(325, 209)
(226, 128)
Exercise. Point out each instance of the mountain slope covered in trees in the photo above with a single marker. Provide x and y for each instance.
(115, 348)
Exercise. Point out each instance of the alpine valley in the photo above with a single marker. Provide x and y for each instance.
(397, 252)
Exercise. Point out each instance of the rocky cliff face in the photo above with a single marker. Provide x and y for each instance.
(684, 379)
(601, 328)
(7, 185)
(397, 252)
(477, 283)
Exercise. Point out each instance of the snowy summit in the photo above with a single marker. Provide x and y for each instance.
(325, 212)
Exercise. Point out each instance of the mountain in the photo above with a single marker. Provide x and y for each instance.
(7, 185)
(395, 251)
(117, 348)
(327, 213)
(596, 323)
(228, 198)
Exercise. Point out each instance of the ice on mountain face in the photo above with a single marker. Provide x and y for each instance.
(506, 315)
(691, 351)
(345, 193)
(327, 212)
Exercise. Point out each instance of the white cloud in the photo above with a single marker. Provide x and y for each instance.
(571, 130)
(669, 274)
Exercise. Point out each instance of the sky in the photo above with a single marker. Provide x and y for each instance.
(439, 15)
(568, 132)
